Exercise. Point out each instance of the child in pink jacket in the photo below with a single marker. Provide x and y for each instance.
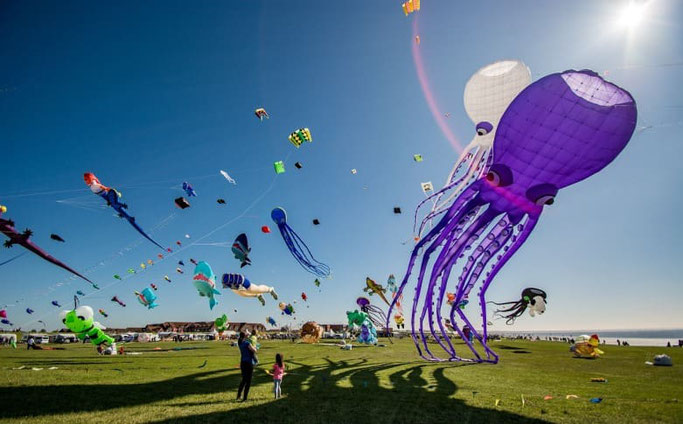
(278, 373)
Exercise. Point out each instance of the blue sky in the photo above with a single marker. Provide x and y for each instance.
(148, 95)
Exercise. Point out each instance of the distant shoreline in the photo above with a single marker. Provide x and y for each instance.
(653, 338)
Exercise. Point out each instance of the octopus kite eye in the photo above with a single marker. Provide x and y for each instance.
(499, 175)
(82, 318)
(484, 128)
(542, 194)
(545, 200)
(64, 320)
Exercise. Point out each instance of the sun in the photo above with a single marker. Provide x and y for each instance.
(633, 14)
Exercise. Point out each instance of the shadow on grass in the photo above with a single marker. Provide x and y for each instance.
(338, 392)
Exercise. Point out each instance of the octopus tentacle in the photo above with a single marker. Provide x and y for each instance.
(463, 204)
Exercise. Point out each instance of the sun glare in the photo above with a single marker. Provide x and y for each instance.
(632, 15)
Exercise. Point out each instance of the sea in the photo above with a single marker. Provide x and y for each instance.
(657, 338)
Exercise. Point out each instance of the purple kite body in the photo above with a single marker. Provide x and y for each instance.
(558, 131)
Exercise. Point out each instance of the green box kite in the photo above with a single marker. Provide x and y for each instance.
(279, 167)
(418, 158)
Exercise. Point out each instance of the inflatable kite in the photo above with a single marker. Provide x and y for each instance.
(558, 131)
(29, 311)
(168, 279)
(112, 198)
(154, 287)
(103, 313)
(204, 281)
(189, 190)
(286, 308)
(80, 322)
(265, 229)
(261, 114)
(228, 177)
(3, 313)
(193, 261)
(241, 286)
(55, 303)
(297, 247)
(271, 321)
(147, 298)
(117, 276)
(316, 282)
(221, 323)
(311, 332)
(56, 237)
(240, 248)
(6, 321)
(304, 297)
(116, 299)
(533, 299)
(411, 6)
(299, 136)
(588, 348)
(23, 240)
(373, 288)
(80, 293)
(487, 95)
(375, 314)
(220, 201)
(359, 321)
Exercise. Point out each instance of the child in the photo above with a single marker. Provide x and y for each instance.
(278, 373)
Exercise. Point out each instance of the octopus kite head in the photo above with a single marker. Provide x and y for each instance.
(79, 319)
(489, 92)
(279, 216)
(558, 131)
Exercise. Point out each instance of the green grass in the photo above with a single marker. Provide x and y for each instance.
(327, 385)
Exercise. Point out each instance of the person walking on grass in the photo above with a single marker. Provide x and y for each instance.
(278, 373)
(247, 362)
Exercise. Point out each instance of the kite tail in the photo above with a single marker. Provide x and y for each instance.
(132, 222)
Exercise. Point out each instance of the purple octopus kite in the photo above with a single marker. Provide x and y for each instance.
(558, 131)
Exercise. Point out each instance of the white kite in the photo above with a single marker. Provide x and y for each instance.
(228, 177)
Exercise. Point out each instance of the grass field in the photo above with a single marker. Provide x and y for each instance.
(327, 385)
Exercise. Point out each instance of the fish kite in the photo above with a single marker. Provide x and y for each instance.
(179, 271)
(166, 278)
(261, 114)
(147, 298)
(56, 237)
(112, 197)
(220, 201)
(189, 190)
(193, 261)
(103, 313)
(299, 136)
(154, 287)
(131, 271)
(6, 321)
(228, 177)
(181, 263)
(23, 239)
(117, 276)
(116, 299)
(265, 229)
(29, 311)
(55, 303)
(304, 297)
(80, 293)
(204, 281)
(241, 250)
(316, 282)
